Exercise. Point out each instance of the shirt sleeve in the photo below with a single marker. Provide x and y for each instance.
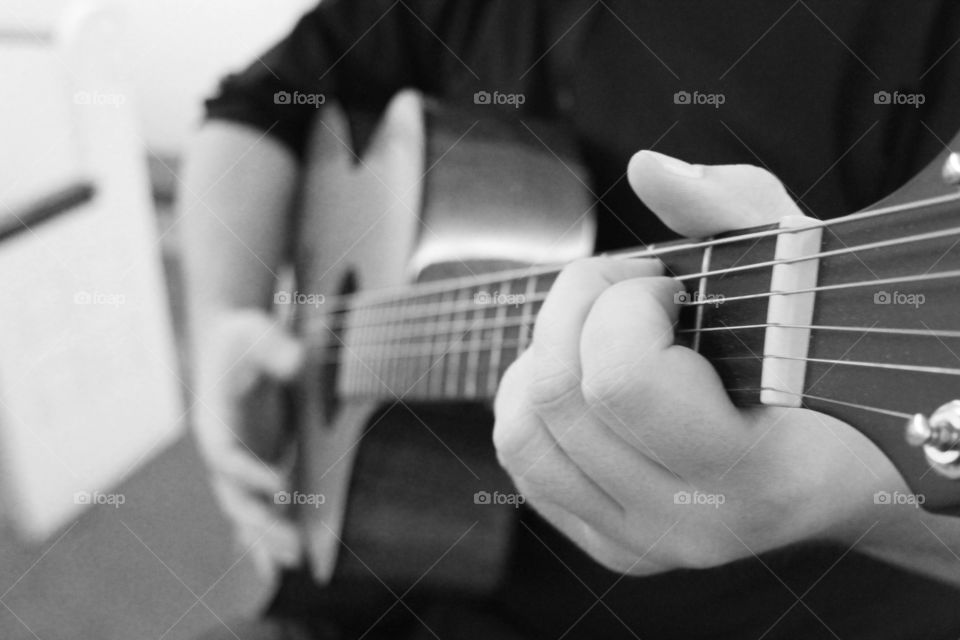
(358, 52)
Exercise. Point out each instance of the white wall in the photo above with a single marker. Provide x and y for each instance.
(88, 391)
(88, 376)
(173, 51)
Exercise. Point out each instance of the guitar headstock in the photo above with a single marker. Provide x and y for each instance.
(910, 371)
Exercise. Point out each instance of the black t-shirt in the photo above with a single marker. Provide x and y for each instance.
(804, 88)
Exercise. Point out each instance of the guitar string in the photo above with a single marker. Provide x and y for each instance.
(495, 278)
(432, 352)
(435, 351)
(935, 333)
(808, 396)
(916, 368)
(415, 392)
(451, 327)
(922, 277)
(436, 309)
(477, 347)
(478, 309)
(653, 250)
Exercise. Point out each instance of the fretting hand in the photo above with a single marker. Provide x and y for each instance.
(629, 444)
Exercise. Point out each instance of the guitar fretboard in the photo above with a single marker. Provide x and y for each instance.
(456, 342)
(447, 344)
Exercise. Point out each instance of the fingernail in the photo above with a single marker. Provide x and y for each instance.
(677, 167)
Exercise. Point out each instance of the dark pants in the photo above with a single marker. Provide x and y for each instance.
(859, 599)
(302, 610)
(553, 590)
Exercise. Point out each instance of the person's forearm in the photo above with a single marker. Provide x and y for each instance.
(233, 209)
(234, 200)
(914, 539)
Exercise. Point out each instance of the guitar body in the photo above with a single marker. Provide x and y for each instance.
(435, 195)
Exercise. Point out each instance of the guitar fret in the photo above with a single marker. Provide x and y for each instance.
(372, 356)
(381, 337)
(496, 342)
(397, 364)
(485, 349)
(438, 373)
(473, 354)
(387, 340)
(417, 362)
(527, 317)
(360, 377)
(345, 379)
(352, 377)
(409, 361)
(453, 371)
(511, 331)
(368, 353)
(702, 294)
(433, 353)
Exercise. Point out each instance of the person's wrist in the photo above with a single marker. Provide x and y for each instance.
(212, 331)
(856, 491)
(826, 492)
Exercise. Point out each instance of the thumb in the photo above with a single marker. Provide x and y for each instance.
(249, 344)
(279, 354)
(702, 200)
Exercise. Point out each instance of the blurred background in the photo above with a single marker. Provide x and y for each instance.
(108, 527)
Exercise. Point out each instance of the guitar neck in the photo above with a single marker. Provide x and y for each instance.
(744, 309)
(454, 340)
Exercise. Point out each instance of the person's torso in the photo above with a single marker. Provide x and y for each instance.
(821, 93)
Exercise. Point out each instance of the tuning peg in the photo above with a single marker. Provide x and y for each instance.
(939, 435)
(950, 171)
(918, 430)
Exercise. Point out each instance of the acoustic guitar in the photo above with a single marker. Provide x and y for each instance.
(423, 259)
